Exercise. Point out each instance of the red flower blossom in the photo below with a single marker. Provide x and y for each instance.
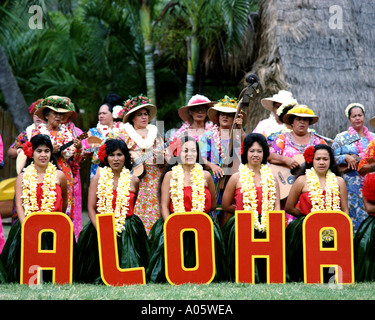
(27, 148)
(241, 150)
(175, 147)
(309, 154)
(368, 190)
(102, 153)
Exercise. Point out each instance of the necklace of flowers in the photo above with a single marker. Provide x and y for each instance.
(249, 193)
(29, 186)
(217, 139)
(106, 130)
(332, 199)
(66, 134)
(197, 185)
(105, 195)
(186, 126)
(358, 143)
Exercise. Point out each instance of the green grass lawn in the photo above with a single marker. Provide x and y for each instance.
(213, 291)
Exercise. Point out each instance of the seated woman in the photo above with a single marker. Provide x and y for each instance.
(364, 240)
(184, 187)
(319, 177)
(112, 190)
(39, 177)
(247, 190)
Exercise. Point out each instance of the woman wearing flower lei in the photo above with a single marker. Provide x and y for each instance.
(142, 137)
(40, 187)
(112, 190)
(185, 186)
(107, 124)
(53, 110)
(348, 153)
(364, 239)
(196, 122)
(253, 188)
(318, 187)
(222, 115)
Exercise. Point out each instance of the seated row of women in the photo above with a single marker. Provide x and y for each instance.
(185, 186)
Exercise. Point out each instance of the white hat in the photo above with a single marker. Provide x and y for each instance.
(196, 100)
(283, 97)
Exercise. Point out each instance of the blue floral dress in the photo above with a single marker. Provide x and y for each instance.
(95, 160)
(353, 179)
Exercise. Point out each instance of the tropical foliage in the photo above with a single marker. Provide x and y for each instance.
(87, 49)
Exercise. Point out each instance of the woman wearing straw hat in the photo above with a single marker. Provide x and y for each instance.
(143, 140)
(273, 123)
(290, 145)
(349, 147)
(222, 115)
(196, 122)
(52, 110)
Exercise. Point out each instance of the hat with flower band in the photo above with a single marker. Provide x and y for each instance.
(225, 105)
(135, 103)
(58, 104)
(302, 111)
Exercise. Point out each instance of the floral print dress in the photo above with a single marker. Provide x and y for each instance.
(353, 179)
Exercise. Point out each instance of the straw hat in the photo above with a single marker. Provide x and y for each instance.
(283, 97)
(135, 103)
(300, 111)
(58, 104)
(372, 121)
(226, 105)
(196, 100)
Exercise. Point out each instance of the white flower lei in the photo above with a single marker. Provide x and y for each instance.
(106, 130)
(332, 199)
(177, 188)
(29, 186)
(105, 195)
(249, 192)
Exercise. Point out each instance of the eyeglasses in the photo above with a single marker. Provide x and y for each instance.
(198, 109)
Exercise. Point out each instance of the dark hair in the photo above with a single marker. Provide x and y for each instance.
(355, 106)
(112, 100)
(132, 115)
(332, 163)
(173, 161)
(249, 141)
(41, 140)
(112, 145)
(293, 117)
(285, 111)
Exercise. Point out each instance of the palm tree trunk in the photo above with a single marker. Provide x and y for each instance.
(12, 94)
(193, 55)
(145, 17)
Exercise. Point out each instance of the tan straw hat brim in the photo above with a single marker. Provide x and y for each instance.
(302, 115)
(184, 114)
(212, 112)
(372, 121)
(150, 107)
(39, 112)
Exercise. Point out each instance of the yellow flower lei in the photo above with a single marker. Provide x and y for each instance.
(177, 188)
(105, 195)
(332, 199)
(249, 194)
(29, 185)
